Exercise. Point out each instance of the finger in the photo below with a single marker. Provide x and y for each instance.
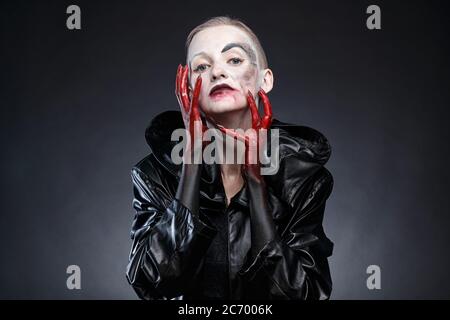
(251, 151)
(232, 133)
(195, 111)
(177, 84)
(177, 80)
(267, 118)
(183, 89)
(254, 110)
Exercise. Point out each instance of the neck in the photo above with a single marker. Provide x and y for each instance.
(230, 171)
(239, 119)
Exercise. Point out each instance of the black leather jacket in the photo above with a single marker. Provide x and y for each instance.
(178, 254)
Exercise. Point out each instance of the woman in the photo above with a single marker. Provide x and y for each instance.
(224, 231)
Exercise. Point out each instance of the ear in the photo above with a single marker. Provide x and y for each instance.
(267, 80)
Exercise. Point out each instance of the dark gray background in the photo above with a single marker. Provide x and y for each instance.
(75, 104)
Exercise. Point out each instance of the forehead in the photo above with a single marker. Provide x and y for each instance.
(212, 39)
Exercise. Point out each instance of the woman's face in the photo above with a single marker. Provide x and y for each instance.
(226, 59)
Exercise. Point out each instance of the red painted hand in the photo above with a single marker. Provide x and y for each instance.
(252, 142)
(189, 108)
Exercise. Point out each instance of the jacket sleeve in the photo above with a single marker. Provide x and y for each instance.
(293, 264)
(168, 241)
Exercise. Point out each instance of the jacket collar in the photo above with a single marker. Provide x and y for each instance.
(309, 145)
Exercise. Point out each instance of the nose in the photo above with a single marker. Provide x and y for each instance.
(217, 72)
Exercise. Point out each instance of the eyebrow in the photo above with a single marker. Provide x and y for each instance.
(197, 54)
(244, 46)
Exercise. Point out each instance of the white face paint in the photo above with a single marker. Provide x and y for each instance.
(223, 55)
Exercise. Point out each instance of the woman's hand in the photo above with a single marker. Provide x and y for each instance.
(261, 220)
(253, 143)
(190, 108)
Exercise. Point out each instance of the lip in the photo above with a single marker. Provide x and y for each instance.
(220, 88)
(221, 94)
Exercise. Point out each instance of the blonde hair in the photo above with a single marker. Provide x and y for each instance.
(228, 21)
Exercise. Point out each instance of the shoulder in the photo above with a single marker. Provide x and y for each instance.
(303, 153)
(157, 165)
(146, 166)
(295, 175)
(150, 171)
(306, 142)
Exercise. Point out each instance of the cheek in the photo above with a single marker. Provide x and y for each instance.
(203, 91)
(204, 98)
(248, 79)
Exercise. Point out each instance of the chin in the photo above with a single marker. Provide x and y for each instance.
(222, 107)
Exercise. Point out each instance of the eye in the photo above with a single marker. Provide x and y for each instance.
(235, 61)
(201, 67)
